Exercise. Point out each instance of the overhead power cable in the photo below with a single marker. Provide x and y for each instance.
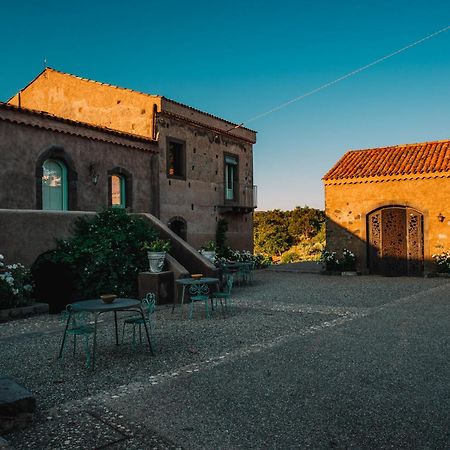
(344, 77)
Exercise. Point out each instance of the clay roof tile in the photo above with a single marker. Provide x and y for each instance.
(406, 159)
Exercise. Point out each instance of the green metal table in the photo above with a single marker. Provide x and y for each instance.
(97, 307)
(191, 281)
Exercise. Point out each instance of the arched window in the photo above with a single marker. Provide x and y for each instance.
(54, 185)
(118, 191)
(179, 226)
(120, 188)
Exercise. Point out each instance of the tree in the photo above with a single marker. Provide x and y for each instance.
(277, 231)
(305, 223)
(271, 236)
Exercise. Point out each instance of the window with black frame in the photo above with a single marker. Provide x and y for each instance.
(176, 158)
(231, 177)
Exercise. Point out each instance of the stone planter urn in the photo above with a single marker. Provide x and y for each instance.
(209, 254)
(156, 261)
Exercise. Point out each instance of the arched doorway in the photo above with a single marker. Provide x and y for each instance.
(56, 180)
(395, 241)
(178, 226)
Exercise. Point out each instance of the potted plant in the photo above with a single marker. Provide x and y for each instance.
(209, 251)
(156, 253)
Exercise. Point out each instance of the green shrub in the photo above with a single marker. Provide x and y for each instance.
(105, 253)
(290, 257)
(261, 261)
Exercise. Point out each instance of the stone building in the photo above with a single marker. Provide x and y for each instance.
(391, 206)
(205, 162)
(53, 164)
(59, 164)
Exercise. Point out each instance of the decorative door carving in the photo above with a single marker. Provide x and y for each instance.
(395, 240)
(414, 221)
(374, 241)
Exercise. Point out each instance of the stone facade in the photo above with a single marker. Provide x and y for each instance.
(414, 177)
(90, 153)
(191, 203)
(199, 197)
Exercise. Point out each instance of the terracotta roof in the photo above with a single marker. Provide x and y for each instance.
(132, 90)
(426, 158)
(76, 123)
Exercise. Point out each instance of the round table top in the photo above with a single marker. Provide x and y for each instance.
(203, 280)
(98, 305)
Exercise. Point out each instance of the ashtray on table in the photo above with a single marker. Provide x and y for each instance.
(108, 298)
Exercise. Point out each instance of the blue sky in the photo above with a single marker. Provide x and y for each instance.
(238, 59)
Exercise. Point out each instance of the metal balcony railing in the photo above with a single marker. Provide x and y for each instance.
(242, 197)
(251, 195)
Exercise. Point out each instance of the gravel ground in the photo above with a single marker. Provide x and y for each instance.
(291, 367)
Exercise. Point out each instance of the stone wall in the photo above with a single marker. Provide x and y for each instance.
(27, 137)
(199, 198)
(26, 234)
(347, 207)
(89, 101)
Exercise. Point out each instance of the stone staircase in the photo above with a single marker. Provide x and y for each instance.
(183, 258)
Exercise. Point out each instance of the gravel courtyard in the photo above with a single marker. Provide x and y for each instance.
(304, 361)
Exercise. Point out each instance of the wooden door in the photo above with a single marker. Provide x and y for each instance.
(414, 233)
(395, 241)
(393, 248)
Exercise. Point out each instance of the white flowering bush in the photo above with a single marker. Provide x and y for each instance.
(332, 262)
(443, 261)
(16, 287)
(260, 261)
(348, 260)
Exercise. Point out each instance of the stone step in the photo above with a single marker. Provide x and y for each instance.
(23, 311)
(17, 405)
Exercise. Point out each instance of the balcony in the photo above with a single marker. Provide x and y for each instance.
(244, 199)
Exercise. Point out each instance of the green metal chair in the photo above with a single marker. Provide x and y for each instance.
(231, 272)
(199, 293)
(251, 269)
(148, 307)
(77, 324)
(224, 296)
(245, 272)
